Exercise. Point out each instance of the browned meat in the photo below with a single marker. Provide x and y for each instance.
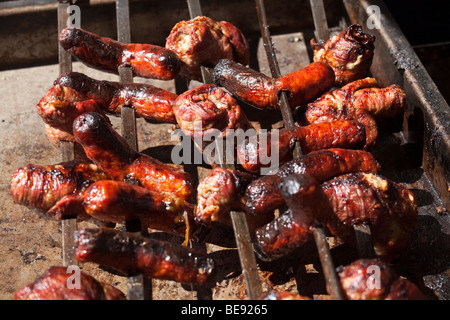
(306, 84)
(340, 203)
(53, 285)
(106, 54)
(306, 200)
(307, 204)
(74, 94)
(263, 194)
(105, 147)
(349, 53)
(248, 85)
(371, 279)
(256, 151)
(206, 110)
(119, 202)
(55, 191)
(258, 90)
(359, 100)
(366, 198)
(221, 192)
(130, 254)
(203, 42)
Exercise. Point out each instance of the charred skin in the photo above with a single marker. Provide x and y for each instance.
(307, 204)
(349, 53)
(263, 194)
(357, 281)
(280, 237)
(341, 203)
(306, 84)
(105, 147)
(318, 136)
(248, 85)
(130, 254)
(203, 42)
(150, 102)
(261, 91)
(52, 285)
(106, 54)
(74, 94)
(366, 198)
(55, 191)
(119, 202)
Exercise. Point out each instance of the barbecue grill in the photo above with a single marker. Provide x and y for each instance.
(414, 150)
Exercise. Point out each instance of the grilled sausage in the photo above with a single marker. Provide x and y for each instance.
(53, 285)
(248, 85)
(307, 204)
(306, 84)
(150, 102)
(263, 194)
(130, 254)
(336, 134)
(349, 53)
(56, 191)
(105, 147)
(119, 202)
(371, 279)
(341, 203)
(74, 93)
(106, 54)
(203, 42)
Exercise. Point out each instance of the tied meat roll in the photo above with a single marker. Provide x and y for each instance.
(55, 191)
(203, 42)
(349, 53)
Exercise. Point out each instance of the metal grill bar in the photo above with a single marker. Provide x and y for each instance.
(239, 221)
(135, 283)
(67, 151)
(362, 232)
(320, 20)
(286, 113)
(333, 285)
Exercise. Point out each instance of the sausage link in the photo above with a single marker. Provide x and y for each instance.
(306, 84)
(130, 254)
(119, 202)
(106, 54)
(326, 135)
(105, 147)
(263, 194)
(307, 204)
(150, 102)
(248, 85)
